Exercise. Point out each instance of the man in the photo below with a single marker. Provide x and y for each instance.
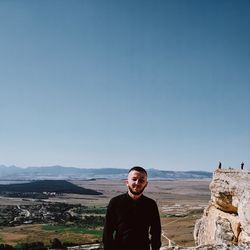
(132, 219)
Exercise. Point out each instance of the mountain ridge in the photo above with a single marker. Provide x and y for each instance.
(64, 173)
(40, 186)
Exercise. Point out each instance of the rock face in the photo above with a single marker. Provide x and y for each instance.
(226, 220)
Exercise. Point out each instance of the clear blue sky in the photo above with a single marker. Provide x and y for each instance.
(98, 83)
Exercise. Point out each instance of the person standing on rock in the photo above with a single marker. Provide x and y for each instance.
(219, 167)
(242, 165)
(132, 220)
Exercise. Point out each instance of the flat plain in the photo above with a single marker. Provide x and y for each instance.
(181, 203)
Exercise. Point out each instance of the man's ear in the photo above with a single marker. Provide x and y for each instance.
(126, 182)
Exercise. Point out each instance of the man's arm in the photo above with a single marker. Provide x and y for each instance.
(155, 229)
(108, 231)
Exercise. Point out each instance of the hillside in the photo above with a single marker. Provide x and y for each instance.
(58, 186)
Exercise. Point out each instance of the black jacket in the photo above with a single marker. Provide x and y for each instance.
(132, 225)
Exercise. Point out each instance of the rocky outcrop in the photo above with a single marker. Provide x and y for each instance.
(226, 220)
(95, 246)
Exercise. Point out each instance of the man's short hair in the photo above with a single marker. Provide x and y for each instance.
(139, 169)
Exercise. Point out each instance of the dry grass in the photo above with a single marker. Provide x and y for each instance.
(34, 233)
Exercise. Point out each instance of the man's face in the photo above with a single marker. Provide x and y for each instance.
(136, 182)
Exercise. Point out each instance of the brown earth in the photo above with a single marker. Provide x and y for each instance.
(35, 233)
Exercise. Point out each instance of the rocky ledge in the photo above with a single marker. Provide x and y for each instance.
(226, 220)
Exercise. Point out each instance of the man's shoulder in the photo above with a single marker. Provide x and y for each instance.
(119, 198)
(149, 200)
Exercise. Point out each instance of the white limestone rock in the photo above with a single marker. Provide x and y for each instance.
(226, 220)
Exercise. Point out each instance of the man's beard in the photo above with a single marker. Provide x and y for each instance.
(135, 193)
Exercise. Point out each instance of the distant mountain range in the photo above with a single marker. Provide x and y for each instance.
(73, 173)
